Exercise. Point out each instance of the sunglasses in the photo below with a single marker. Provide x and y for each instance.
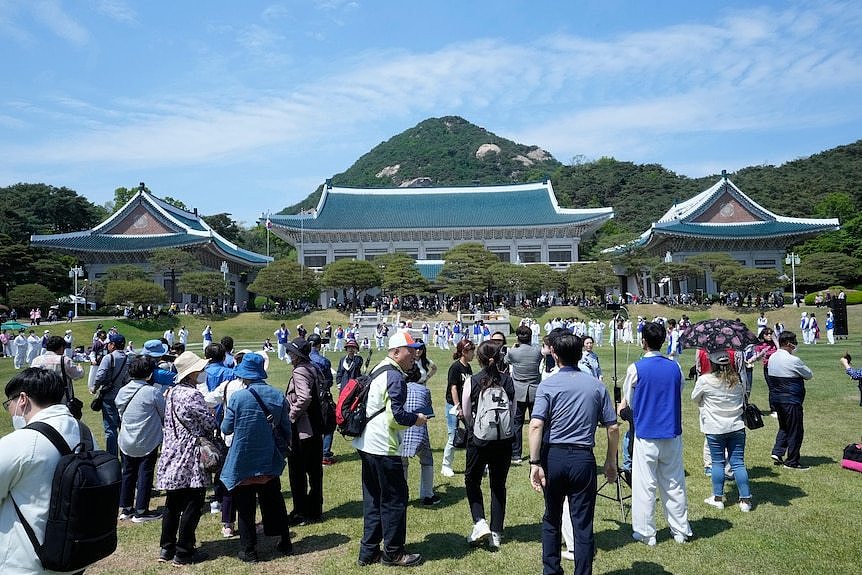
(8, 401)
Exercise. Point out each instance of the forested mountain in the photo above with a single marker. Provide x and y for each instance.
(448, 151)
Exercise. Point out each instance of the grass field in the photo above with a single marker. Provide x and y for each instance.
(802, 522)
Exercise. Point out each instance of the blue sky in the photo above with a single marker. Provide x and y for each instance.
(245, 107)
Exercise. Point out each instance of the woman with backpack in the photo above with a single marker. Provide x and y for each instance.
(488, 404)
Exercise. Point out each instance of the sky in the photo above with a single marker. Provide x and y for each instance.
(246, 107)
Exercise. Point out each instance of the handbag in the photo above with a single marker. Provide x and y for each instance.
(75, 405)
(751, 415)
(212, 449)
(282, 442)
(97, 403)
(460, 439)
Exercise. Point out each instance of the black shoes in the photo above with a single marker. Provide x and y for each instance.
(433, 500)
(165, 555)
(777, 459)
(371, 560)
(796, 466)
(294, 519)
(285, 547)
(191, 559)
(402, 560)
(248, 556)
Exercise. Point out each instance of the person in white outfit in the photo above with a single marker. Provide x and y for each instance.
(653, 388)
(20, 347)
(34, 347)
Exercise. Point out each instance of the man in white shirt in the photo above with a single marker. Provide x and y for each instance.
(27, 464)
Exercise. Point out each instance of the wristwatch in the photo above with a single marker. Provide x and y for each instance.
(535, 462)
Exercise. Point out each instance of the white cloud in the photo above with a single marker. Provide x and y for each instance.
(118, 10)
(51, 14)
(568, 94)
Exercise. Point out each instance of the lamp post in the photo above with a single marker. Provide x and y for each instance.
(792, 260)
(224, 270)
(75, 273)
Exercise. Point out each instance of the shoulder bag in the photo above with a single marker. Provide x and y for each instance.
(212, 449)
(282, 442)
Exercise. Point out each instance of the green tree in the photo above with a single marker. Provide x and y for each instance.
(255, 239)
(208, 285)
(467, 270)
(223, 225)
(399, 275)
(725, 272)
(836, 205)
(709, 262)
(175, 203)
(172, 260)
(355, 275)
(121, 197)
(126, 272)
(751, 280)
(134, 292)
(822, 269)
(15, 259)
(637, 263)
(594, 277)
(31, 295)
(284, 280)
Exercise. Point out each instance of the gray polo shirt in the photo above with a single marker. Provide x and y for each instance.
(575, 403)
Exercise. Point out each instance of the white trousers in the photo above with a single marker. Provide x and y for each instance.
(657, 464)
(281, 352)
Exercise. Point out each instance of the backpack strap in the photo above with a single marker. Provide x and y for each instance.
(374, 374)
(52, 435)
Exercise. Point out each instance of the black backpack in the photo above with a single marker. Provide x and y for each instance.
(85, 495)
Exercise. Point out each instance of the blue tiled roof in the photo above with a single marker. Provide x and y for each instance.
(743, 231)
(115, 243)
(429, 270)
(421, 208)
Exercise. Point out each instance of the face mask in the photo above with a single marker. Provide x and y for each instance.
(18, 421)
(202, 377)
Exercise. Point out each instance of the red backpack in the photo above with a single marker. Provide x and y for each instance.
(350, 414)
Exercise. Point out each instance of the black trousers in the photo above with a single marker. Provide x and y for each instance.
(137, 481)
(384, 505)
(272, 511)
(521, 408)
(790, 432)
(305, 472)
(498, 456)
(180, 521)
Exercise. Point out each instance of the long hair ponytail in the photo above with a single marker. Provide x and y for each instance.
(489, 358)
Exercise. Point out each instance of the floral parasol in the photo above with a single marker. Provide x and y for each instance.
(718, 334)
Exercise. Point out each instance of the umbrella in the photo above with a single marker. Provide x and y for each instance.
(14, 325)
(718, 334)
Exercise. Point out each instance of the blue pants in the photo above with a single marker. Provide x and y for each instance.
(137, 480)
(327, 445)
(627, 450)
(790, 432)
(111, 423)
(384, 506)
(570, 471)
(734, 443)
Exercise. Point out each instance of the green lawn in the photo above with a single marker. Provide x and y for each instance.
(802, 522)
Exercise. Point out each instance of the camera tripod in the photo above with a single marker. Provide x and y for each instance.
(617, 487)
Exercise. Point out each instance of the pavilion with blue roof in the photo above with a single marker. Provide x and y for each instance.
(519, 223)
(147, 223)
(720, 219)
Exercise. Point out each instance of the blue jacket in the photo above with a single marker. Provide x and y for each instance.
(252, 452)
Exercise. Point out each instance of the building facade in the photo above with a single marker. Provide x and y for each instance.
(519, 223)
(719, 219)
(146, 223)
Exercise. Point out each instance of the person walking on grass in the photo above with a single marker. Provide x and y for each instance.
(570, 404)
(488, 403)
(787, 375)
(459, 372)
(384, 489)
(720, 395)
(653, 390)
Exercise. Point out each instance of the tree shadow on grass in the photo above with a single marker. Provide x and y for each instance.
(778, 494)
(449, 495)
(707, 527)
(443, 546)
(642, 568)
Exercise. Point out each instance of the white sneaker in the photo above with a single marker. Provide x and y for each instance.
(496, 539)
(447, 471)
(227, 531)
(745, 506)
(679, 538)
(567, 555)
(215, 507)
(649, 541)
(711, 501)
(481, 532)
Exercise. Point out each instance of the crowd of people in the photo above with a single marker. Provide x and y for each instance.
(158, 402)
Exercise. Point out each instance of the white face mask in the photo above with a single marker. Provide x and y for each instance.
(18, 421)
(202, 377)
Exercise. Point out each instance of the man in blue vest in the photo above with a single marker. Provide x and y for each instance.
(282, 336)
(653, 388)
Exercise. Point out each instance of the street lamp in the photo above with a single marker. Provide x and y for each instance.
(75, 273)
(792, 260)
(224, 270)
